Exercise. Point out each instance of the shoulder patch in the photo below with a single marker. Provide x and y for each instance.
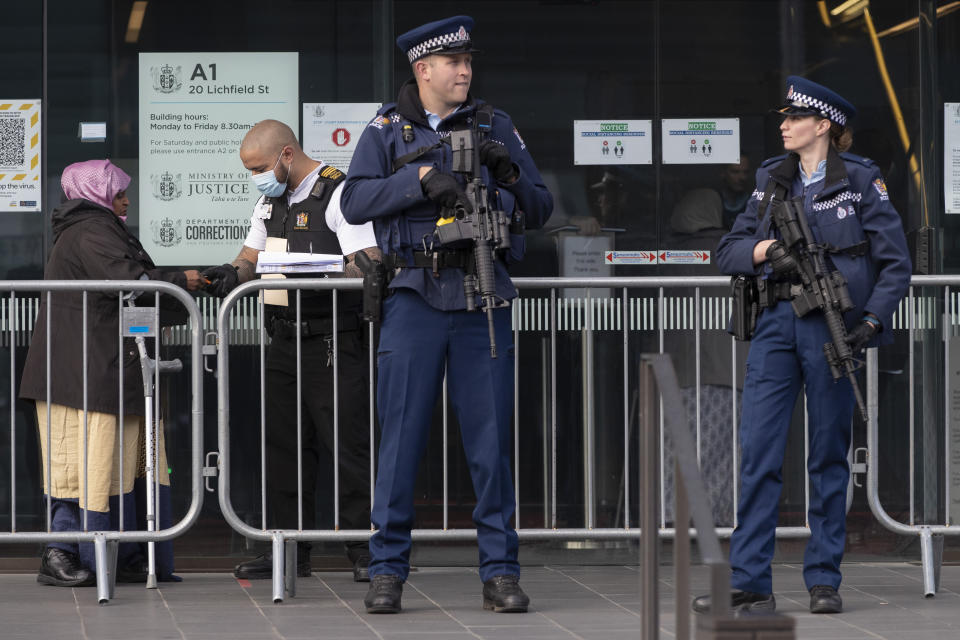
(773, 160)
(881, 188)
(330, 172)
(379, 122)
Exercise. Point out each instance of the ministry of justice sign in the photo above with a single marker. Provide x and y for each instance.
(195, 108)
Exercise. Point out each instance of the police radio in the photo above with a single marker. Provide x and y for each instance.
(487, 227)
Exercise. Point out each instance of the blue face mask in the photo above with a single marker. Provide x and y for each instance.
(267, 182)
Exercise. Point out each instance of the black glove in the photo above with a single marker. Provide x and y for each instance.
(497, 159)
(863, 333)
(223, 279)
(445, 190)
(780, 259)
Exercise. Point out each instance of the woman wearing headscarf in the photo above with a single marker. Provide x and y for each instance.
(91, 242)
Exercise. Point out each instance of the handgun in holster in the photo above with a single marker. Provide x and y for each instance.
(374, 287)
(745, 306)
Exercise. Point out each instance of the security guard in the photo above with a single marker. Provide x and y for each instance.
(400, 177)
(301, 203)
(849, 212)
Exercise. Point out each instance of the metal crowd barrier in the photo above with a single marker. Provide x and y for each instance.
(17, 317)
(920, 313)
(629, 307)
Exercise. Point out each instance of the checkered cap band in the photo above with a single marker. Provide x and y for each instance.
(438, 43)
(826, 109)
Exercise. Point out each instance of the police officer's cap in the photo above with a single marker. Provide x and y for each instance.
(809, 98)
(443, 37)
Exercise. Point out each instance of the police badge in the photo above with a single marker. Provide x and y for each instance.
(166, 232)
(166, 79)
(166, 187)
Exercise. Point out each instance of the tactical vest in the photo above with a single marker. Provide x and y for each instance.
(304, 226)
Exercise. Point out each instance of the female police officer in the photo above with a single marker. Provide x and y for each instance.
(850, 215)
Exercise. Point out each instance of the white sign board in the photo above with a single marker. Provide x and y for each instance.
(20, 155)
(951, 156)
(612, 142)
(701, 140)
(583, 257)
(668, 256)
(195, 196)
(331, 130)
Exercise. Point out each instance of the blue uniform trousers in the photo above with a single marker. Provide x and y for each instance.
(415, 341)
(787, 352)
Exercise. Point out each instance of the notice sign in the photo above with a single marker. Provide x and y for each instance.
(20, 155)
(195, 108)
(630, 257)
(701, 141)
(612, 142)
(331, 130)
(951, 156)
(684, 257)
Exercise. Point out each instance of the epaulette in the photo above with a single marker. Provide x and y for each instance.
(773, 160)
(850, 157)
(328, 180)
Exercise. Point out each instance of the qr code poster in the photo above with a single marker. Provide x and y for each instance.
(20, 155)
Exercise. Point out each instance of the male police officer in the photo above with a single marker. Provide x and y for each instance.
(301, 204)
(400, 178)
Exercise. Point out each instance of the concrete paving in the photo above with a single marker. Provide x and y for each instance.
(882, 601)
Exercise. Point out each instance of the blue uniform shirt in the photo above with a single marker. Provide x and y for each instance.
(402, 215)
(848, 206)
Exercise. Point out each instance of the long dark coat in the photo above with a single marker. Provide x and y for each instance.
(90, 243)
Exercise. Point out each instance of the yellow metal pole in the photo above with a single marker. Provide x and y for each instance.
(895, 106)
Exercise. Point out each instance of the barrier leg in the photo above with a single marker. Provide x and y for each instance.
(931, 556)
(105, 555)
(278, 566)
(290, 568)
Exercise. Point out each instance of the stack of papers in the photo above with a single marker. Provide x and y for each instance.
(283, 262)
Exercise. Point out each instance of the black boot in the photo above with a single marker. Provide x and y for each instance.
(261, 567)
(739, 601)
(825, 599)
(384, 593)
(361, 568)
(504, 595)
(63, 569)
(359, 555)
(134, 572)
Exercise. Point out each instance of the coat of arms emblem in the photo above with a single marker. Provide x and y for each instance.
(166, 79)
(166, 186)
(166, 232)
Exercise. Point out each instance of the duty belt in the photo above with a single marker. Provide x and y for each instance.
(435, 260)
(281, 327)
(771, 292)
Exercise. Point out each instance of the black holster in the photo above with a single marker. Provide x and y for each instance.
(745, 306)
(375, 283)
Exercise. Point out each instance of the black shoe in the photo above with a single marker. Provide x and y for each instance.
(135, 572)
(504, 595)
(384, 593)
(261, 567)
(825, 599)
(63, 569)
(361, 569)
(739, 601)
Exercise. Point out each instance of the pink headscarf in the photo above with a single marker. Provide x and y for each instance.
(98, 181)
